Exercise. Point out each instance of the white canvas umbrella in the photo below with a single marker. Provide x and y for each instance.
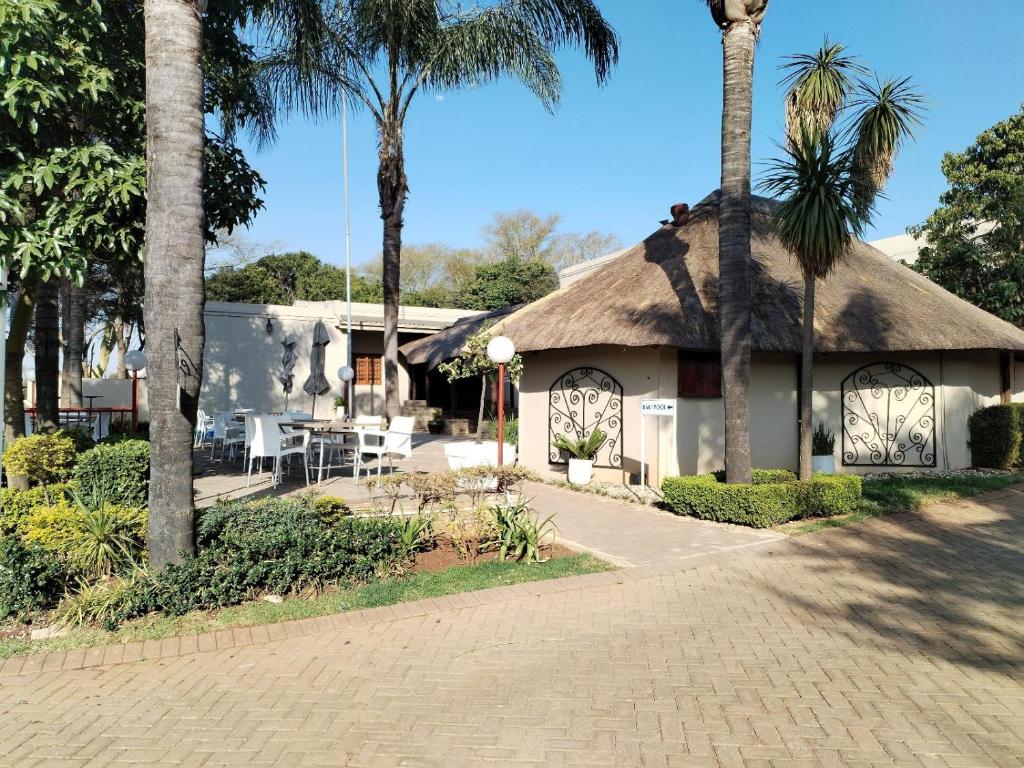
(317, 383)
(287, 366)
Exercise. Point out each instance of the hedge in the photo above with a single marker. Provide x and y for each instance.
(761, 504)
(997, 436)
(114, 473)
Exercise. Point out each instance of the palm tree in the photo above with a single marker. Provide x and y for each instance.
(174, 252)
(740, 22)
(388, 52)
(829, 179)
(174, 258)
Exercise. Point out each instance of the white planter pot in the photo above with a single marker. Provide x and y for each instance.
(826, 464)
(466, 453)
(339, 412)
(580, 471)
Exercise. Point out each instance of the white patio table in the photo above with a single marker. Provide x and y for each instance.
(325, 428)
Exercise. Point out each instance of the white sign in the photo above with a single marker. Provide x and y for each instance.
(658, 407)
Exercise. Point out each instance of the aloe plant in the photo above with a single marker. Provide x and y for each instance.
(823, 441)
(584, 448)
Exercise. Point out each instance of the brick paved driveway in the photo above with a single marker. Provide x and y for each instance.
(894, 642)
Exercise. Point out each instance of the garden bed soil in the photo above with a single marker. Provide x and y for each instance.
(445, 555)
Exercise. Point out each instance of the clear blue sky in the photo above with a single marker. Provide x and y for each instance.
(615, 158)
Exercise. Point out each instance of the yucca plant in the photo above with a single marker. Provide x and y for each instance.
(416, 534)
(842, 136)
(106, 538)
(584, 448)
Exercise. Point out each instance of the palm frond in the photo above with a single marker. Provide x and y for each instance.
(485, 44)
(886, 115)
(819, 85)
(819, 212)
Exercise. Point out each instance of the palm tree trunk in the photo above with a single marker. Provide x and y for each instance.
(174, 260)
(738, 41)
(807, 379)
(47, 356)
(73, 311)
(22, 309)
(392, 187)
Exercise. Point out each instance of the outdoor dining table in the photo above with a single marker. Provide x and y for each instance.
(325, 428)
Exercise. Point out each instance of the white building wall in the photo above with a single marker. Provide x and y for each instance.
(963, 382)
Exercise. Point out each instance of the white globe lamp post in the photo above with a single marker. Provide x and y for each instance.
(501, 350)
(346, 374)
(135, 361)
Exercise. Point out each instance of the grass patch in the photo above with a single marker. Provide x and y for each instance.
(884, 496)
(462, 578)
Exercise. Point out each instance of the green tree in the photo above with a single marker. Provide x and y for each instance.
(506, 283)
(828, 185)
(740, 22)
(391, 51)
(975, 239)
(284, 279)
(473, 361)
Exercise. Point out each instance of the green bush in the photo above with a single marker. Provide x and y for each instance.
(15, 504)
(41, 458)
(30, 578)
(275, 545)
(760, 504)
(761, 476)
(95, 541)
(81, 437)
(997, 436)
(115, 473)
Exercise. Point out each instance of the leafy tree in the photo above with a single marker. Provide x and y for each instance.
(529, 236)
(284, 279)
(507, 282)
(976, 237)
(473, 361)
(740, 22)
(389, 51)
(830, 177)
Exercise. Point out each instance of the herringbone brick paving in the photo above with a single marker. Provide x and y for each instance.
(898, 641)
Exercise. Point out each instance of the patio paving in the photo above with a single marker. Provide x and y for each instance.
(625, 534)
(894, 642)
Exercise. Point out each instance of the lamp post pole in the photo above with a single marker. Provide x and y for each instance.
(135, 361)
(135, 402)
(501, 414)
(501, 350)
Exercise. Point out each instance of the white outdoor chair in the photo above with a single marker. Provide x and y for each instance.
(204, 424)
(396, 441)
(227, 432)
(270, 442)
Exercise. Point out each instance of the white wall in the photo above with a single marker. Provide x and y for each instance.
(963, 382)
(1018, 381)
(242, 361)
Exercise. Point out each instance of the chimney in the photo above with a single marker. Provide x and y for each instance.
(680, 214)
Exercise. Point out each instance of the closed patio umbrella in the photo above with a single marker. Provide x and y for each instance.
(317, 383)
(287, 366)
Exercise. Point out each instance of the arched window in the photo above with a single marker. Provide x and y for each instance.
(888, 417)
(580, 401)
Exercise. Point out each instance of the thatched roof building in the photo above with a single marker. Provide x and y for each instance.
(446, 344)
(664, 292)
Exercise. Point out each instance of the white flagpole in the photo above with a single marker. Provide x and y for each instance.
(348, 252)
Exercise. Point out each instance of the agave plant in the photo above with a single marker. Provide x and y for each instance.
(584, 448)
(521, 533)
(106, 538)
(416, 534)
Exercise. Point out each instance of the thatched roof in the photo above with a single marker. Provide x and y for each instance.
(664, 292)
(444, 345)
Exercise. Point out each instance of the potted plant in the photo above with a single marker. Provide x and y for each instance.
(340, 410)
(581, 454)
(823, 444)
(436, 423)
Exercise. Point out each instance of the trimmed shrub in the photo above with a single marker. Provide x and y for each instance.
(41, 458)
(827, 495)
(761, 476)
(997, 436)
(275, 545)
(760, 504)
(115, 473)
(81, 437)
(30, 578)
(15, 504)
